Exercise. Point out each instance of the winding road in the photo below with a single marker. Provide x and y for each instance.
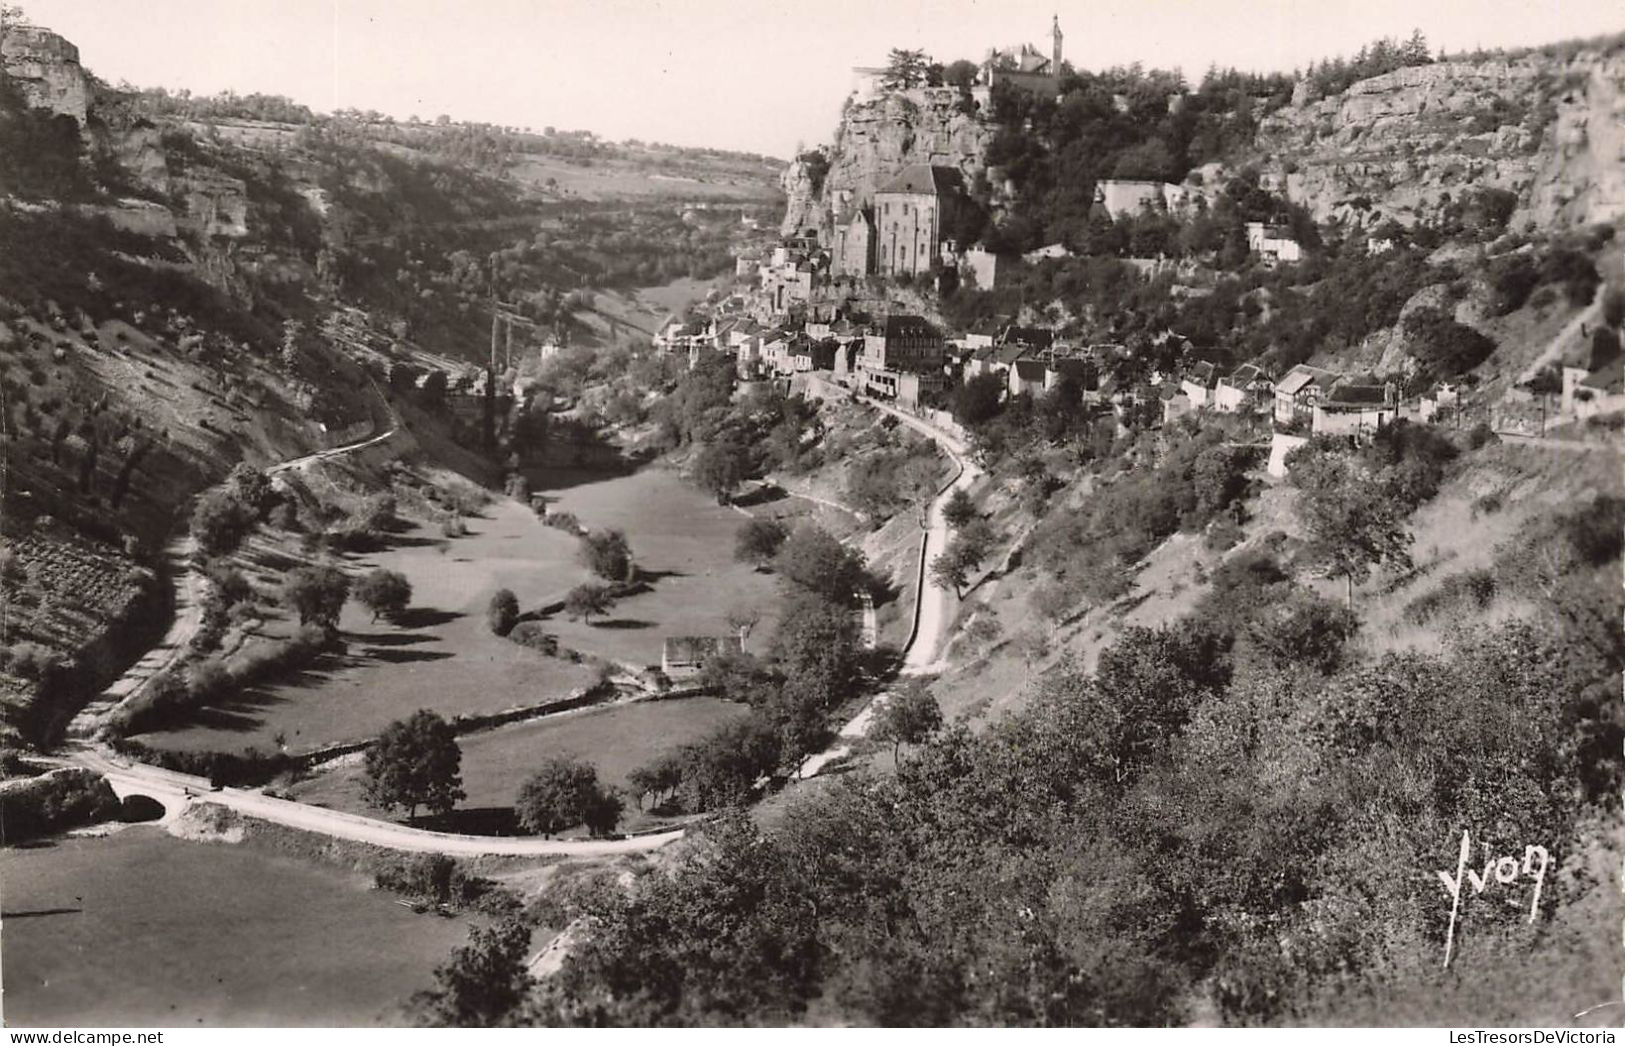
(933, 606)
(933, 612)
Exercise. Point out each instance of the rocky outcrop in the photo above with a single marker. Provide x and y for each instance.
(216, 204)
(142, 217)
(880, 136)
(47, 69)
(802, 183)
(1405, 144)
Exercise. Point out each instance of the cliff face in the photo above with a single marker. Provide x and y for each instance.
(1404, 144)
(877, 138)
(47, 68)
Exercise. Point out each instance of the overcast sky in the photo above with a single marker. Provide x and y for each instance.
(761, 75)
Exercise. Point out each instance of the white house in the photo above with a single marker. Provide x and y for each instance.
(1273, 243)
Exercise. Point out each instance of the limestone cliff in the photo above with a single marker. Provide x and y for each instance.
(1404, 144)
(47, 69)
(880, 136)
(802, 182)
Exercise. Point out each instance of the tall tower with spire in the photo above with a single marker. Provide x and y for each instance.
(1055, 33)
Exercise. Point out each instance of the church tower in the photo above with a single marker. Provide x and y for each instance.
(1055, 32)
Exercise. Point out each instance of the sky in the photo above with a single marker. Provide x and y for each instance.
(757, 75)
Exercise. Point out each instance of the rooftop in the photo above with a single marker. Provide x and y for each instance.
(698, 648)
(925, 178)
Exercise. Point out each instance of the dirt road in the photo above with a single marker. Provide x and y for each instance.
(934, 606)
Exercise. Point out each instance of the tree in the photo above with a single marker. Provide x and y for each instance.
(317, 594)
(565, 793)
(384, 592)
(960, 73)
(607, 554)
(758, 541)
(909, 717)
(977, 401)
(220, 522)
(376, 513)
(813, 560)
(743, 620)
(584, 601)
(959, 509)
(415, 762)
(502, 613)
(1353, 522)
(661, 777)
(964, 554)
(904, 69)
(252, 487)
(950, 570)
(485, 979)
(722, 466)
(917, 482)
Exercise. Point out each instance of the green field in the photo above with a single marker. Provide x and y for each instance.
(616, 740)
(140, 928)
(444, 658)
(684, 540)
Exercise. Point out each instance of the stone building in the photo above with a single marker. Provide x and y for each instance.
(1025, 66)
(852, 250)
(912, 214)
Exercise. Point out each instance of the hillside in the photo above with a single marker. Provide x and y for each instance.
(1399, 135)
(189, 283)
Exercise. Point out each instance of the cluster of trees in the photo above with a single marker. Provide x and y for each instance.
(1118, 123)
(1199, 480)
(1444, 348)
(816, 662)
(1136, 845)
(1354, 500)
(416, 762)
(972, 543)
(1383, 55)
(883, 482)
(1514, 277)
(225, 515)
(735, 441)
(565, 793)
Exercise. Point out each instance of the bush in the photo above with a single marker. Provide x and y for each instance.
(565, 521)
(758, 541)
(1474, 589)
(317, 594)
(503, 612)
(385, 592)
(607, 554)
(531, 634)
(208, 682)
(433, 877)
(220, 522)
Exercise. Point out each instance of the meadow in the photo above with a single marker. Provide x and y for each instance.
(616, 740)
(141, 928)
(683, 542)
(442, 656)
